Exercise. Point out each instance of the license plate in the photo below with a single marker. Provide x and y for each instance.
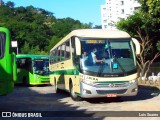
(111, 95)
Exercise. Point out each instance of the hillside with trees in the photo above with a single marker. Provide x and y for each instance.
(36, 30)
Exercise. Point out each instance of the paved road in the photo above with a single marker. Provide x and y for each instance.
(43, 98)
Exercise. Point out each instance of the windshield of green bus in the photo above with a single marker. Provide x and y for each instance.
(2, 41)
(117, 54)
(41, 66)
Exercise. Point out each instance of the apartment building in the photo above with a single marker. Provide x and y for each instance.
(115, 10)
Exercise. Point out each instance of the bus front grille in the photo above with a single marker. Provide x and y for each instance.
(100, 85)
(102, 92)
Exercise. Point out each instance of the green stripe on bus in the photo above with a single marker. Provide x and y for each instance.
(66, 72)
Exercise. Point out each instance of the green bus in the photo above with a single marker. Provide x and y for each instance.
(32, 69)
(7, 63)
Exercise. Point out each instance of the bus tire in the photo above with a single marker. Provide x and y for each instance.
(24, 82)
(55, 87)
(73, 95)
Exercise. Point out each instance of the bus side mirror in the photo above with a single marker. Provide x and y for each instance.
(137, 44)
(78, 46)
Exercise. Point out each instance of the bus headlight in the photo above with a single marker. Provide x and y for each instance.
(88, 82)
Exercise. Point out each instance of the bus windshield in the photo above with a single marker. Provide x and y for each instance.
(41, 66)
(117, 54)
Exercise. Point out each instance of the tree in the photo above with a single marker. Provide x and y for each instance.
(25, 48)
(64, 26)
(52, 42)
(150, 10)
(10, 4)
(27, 25)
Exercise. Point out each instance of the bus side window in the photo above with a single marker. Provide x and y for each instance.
(73, 47)
(18, 62)
(63, 52)
(53, 57)
(28, 64)
(59, 53)
(2, 41)
(75, 60)
(56, 55)
(21, 63)
(67, 54)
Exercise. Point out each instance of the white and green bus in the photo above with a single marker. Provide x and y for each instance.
(115, 76)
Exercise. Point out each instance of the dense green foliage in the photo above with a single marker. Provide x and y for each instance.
(36, 29)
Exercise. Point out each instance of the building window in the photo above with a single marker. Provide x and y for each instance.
(122, 11)
(104, 21)
(121, 2)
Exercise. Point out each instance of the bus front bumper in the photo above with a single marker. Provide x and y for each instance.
(88, 91)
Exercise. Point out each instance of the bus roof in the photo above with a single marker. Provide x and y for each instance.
(95, 33)
(99, 33)
(32, 56)
(4, 29)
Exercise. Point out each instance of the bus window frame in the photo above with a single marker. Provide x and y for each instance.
(69, 46)
(2, 44)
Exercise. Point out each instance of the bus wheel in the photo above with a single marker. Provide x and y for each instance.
(25, 81)
(55, 87)
(73, 95)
